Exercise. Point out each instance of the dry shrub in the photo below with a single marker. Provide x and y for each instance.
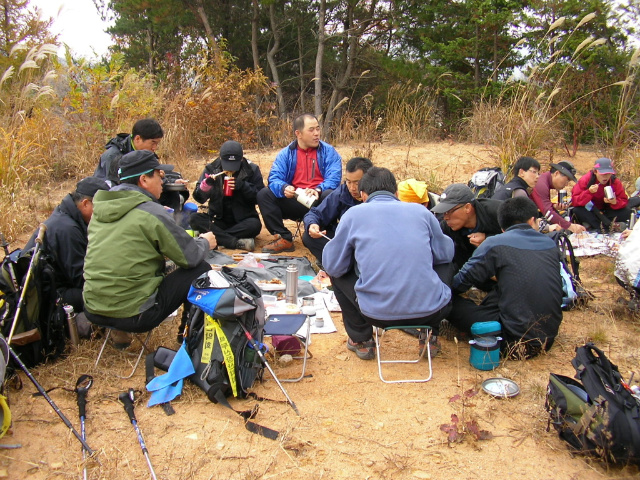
(411, 113)
(513, 127)
(220, 105)
(100, 101)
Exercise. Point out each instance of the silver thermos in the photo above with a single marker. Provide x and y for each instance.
(291, 288)
(73, 326)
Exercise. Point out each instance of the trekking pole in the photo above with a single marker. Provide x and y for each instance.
(82, 388)
(12, 272)
(46, 396)
(256, 347)
(127, 400)
(34, 258)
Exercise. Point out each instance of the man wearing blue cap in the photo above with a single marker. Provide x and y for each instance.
(129, 237)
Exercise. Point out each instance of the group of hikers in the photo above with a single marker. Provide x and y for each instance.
(395, 253)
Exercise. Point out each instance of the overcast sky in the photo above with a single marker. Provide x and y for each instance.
(78, 24)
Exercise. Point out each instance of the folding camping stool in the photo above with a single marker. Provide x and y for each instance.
(424, 333)
(137, 337)
(299, 229)
(289, 324)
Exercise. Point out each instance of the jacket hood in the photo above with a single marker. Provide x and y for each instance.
(111, 206)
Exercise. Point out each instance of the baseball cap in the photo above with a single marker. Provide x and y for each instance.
(231, 155)
(90, 185)
(140, 162)
(455, 194)
(604, 165)
(567, 169)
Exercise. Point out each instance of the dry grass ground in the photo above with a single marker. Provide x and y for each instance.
(352, 426)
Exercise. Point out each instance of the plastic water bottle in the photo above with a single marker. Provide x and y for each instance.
(71, 323)
(291, 288)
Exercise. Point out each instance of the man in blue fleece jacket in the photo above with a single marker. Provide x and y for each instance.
(382, 279)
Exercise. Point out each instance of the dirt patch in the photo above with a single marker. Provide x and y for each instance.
(351, 425)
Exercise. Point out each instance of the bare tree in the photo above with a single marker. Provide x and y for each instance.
(322, 38)
(271, 59)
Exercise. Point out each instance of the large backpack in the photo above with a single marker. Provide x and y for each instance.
(574, 294)
(484, 182)
(599, 416)
(40, 331)
(225, 362)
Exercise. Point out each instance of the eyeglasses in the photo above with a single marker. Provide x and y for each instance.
(449, 212)
(532, 170)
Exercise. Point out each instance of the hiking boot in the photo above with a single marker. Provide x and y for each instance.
(120, 340)
(279, 245)
(248, 244)
(364, 350)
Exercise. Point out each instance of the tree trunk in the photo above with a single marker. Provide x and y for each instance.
(351, 37)
(207, 27)
(272, 60)
(254, 35)
(322, 38)
(300, 65)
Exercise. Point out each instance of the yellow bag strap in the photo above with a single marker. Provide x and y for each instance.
(6, 416)
(212, 328)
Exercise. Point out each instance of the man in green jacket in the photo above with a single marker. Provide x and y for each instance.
(129, 237)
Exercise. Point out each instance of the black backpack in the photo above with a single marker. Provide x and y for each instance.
(599, 416)
(40, 331)
(225, 361)
(484, 182)
(574, 293)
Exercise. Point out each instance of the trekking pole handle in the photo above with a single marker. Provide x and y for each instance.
(127, 401)
(82, 388)
(41, 229)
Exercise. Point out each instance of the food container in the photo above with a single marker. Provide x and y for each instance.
(609, 193)
(562, 196)
(485, 352)
(269, 300)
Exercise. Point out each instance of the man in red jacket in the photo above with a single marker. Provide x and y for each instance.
(593, 206)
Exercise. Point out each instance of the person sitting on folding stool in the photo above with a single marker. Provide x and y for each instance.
(130, 235)
(382, 279)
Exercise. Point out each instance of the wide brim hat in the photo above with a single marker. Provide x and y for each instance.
(567, 169)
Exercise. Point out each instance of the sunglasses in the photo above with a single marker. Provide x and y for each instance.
(449, 212)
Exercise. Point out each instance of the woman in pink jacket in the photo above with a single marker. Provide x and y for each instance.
(592, 206)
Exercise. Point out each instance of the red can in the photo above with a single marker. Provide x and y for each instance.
(227, 188)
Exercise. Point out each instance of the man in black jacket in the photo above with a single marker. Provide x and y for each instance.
(145, 135)
(466, 220)
(528, 296)
(66, 239)
(230, 184)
